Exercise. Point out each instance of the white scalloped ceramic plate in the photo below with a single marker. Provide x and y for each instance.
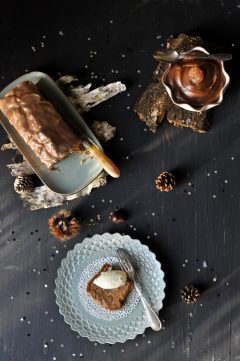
(77, 308)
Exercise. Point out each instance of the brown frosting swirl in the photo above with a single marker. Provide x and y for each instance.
(197, 82)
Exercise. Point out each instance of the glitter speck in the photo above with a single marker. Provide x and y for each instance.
(81, 354)
(62, 345)
(45, 345)
(149, 341)
(208, 174)
(232, 158)
(205, 264)
(45, 285)
(122, 350)
(215, 279)
(61, 32)
(226, 181)
(54, 358)
(153, 214)
(12, 297)
(199, 270)
(111, 21)
(214, 196)
(33, 48)
(73, 354)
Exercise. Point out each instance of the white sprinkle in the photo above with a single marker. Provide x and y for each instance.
(215, 171)
(214, 196)
(122, 350)
(51, 320)
(208, 174)
(45, 285)
(158, 37)
(136, 344)
(121, 139)
(45, 345)
(148, 237)
(128, 107)
(201, 304)
(86, 66)
(44, 36)
(227, 284)
(110, 201)
(89, 38)
(189, 183)
(232, 158)
(232, 43)
(104, 350)
(57, 251)
(81, 354)
(127, 157)
(190, 315)
(123, 55)
(226, 181)
(33, 48)
(42, 44)
(153, 214)
(62, 345)
(138, 71)
(134, 229)
(51, 340)
(149, 341)
(61, 32)
(143, 335)
(73, 354)
(183, 265)
(199, 270)
(12, 297)
(128, 94)
(46, 312)
(189, 193)
(139, 85)
(95, 343)
(111, 21)
(204, 264)
(29, 322)
(131, 226)
(54, 358)
(103, 200)
(155, 233)
(93, 206)
(145, 129)
(215, 279)
(21, 319)
(186, 260)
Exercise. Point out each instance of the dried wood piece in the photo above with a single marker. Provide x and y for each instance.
(183, 118)
(152, 105)
(84, 99)
(103, 130)
(155, 103)
(43, 197)
(8, 146)
(21, 169)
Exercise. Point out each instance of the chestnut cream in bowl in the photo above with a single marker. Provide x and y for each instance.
(196, 84)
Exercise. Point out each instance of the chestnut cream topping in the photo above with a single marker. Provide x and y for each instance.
(197, 82)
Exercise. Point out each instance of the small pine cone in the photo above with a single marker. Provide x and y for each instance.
(23, 184)
(165, 182)
(190, 294)
(63, 225)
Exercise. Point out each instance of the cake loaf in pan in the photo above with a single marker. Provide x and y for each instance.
(39, 123)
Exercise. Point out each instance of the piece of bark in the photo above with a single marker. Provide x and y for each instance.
(21, 169)
(155, 103)
(183, 118)
(43, 197)
(103, 130)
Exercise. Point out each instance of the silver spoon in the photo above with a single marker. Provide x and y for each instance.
(172, 56)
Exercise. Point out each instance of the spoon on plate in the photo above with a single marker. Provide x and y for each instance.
(172, 56)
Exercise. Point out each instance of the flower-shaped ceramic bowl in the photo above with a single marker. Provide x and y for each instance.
(196, 84)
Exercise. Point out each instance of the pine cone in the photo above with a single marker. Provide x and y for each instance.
(23, 184)
(190, 294)
(63, 225)
(165, 182)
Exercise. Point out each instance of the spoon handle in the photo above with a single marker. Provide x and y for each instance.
(220, 57)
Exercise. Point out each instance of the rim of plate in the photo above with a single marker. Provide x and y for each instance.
(77, 247)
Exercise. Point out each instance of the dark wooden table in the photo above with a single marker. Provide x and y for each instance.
(194, 230)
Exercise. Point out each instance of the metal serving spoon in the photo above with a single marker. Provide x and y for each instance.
(172, 56)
